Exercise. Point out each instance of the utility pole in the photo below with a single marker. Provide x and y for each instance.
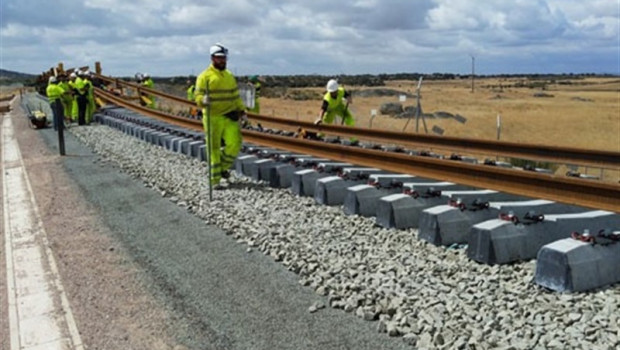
(473, 71)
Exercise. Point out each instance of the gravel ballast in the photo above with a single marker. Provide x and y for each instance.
(431, 296)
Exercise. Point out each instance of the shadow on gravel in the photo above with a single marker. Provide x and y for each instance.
(247, 186)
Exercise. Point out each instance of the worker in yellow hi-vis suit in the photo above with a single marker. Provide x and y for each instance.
(81, 88)
(74, 80)
(148, 82)
(54, 95)
(336, 103)
(67, 98)
(217, 93)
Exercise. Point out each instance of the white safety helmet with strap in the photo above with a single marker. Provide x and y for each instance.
(332, 85)
(218, 50)
(51, 79)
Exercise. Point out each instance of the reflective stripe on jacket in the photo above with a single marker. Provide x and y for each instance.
(223, 91)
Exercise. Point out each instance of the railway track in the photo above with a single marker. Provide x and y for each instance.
(498, 211)
(576, 191)
(398, 189)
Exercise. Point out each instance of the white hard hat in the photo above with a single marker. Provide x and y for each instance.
(218, 50)
(52, 79)
(146, 75)
(73, 75)
(332, 85)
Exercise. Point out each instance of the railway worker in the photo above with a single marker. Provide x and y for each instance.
(190, 90)
(218, 94)
(90, 95)
(81, 88)
(73, 79)
(336, 103)
(54, 95)
(67, 97)
(256, 83)
(148, 82)
(140, 81)
(191, 97)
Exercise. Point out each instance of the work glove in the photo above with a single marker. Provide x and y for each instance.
(205, 100)
(318, 121)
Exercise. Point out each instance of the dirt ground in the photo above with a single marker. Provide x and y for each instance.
(112, 307)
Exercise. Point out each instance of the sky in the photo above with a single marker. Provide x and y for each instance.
(297, 37)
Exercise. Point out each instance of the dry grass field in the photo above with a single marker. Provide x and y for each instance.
(582, 116)
(582, 113)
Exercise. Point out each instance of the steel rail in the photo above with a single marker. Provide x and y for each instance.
(554, 154)
(169, 118)
(581, 192)
(177, 99)
(595, 158)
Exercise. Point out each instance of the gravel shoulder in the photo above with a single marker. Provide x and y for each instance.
(107, 292)
(142, 272)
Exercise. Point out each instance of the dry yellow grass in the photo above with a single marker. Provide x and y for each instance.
(562, 120)
(583, 114)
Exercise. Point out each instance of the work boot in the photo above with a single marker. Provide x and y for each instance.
(221, 186)
(225, 174)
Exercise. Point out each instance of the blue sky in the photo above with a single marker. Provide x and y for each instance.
(166, 38)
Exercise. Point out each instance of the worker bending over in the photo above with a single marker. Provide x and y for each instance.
(336, 103)
(216, 91)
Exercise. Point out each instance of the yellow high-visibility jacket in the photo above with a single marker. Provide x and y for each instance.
(53, 92)
(335, 105)
(223, 91)
(190, 93)
(148, 83)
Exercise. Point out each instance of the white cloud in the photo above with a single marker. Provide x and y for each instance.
(319, 36)
(184, 15)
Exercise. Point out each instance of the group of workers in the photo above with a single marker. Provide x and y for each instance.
(71, 97)
(216, 93)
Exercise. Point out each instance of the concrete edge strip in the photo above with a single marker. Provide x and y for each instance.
(12, 302)
(13, 316)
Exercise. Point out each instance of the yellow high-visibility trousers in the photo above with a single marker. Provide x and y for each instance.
(221, 159)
